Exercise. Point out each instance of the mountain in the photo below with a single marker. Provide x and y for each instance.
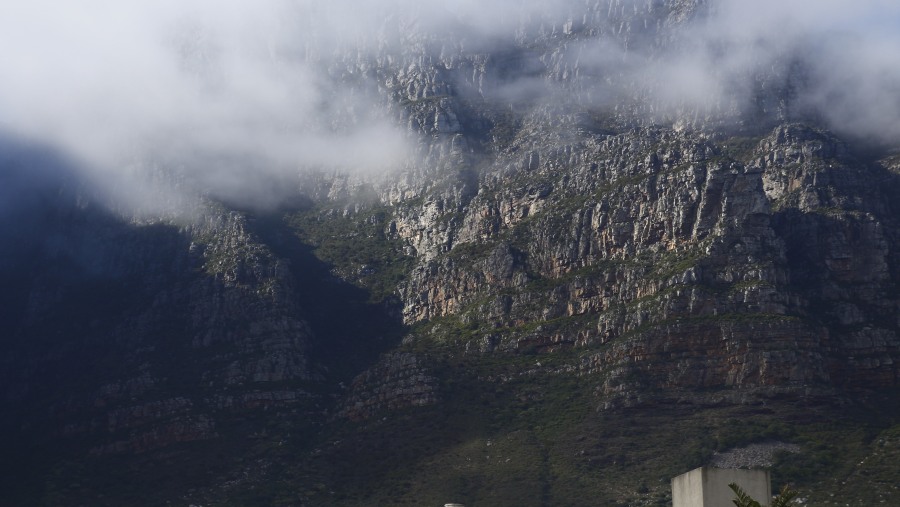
(577, 285)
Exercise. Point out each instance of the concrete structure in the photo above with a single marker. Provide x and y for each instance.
(708, 487)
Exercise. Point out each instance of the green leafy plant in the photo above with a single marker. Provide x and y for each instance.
(742, 499)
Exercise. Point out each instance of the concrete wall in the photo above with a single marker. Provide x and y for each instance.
(708, 487)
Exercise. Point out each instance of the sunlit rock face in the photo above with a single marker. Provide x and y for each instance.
(678, 250)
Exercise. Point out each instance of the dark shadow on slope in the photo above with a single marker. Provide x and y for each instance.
(350, 330)
(89, 302)
(32, 179)
(844, 261)
(68, 285)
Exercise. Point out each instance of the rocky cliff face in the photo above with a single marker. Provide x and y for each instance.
(662, 245)
(714, 258)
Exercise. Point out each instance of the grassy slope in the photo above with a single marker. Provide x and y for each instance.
(541, 441)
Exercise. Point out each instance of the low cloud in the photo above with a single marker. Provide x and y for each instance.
(234, 98)
(223, 93)
(835, 60)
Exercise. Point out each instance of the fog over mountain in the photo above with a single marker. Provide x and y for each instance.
(234, 97)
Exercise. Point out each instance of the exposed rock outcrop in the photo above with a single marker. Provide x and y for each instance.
(397, 381)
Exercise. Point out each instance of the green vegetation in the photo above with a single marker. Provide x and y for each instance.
(742, 499)
(740, 148)
(740, 432)
(538, 438)
(356, 245)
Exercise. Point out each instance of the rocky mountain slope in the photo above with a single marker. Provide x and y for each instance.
(559, 300)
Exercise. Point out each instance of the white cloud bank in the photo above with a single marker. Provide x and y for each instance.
(219, 91)
(233, 96)
(835, 59)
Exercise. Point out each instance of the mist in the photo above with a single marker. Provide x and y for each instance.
(157, 101)
(153, 99)
(831, 59)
